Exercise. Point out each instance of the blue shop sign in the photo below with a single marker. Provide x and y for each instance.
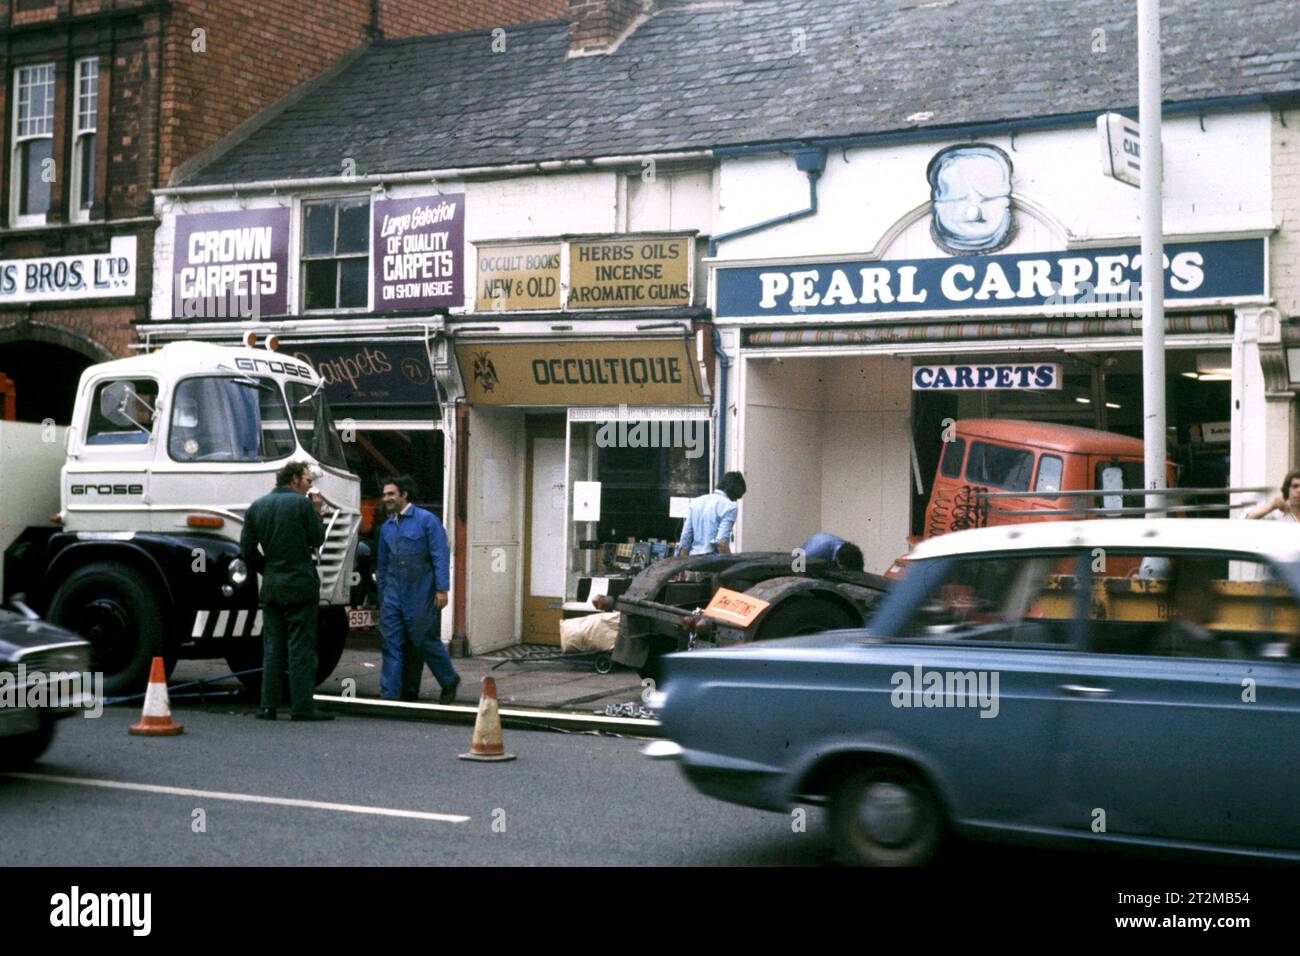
(1194, 271)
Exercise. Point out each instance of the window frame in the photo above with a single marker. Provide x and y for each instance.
(17, 141)
(1287, 575)
(303, 258)
(76, 179)
(917, 592)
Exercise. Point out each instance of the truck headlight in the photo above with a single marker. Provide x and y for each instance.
(237, 572)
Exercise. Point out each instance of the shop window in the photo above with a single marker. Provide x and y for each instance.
(84, 126)
(1050, 469)
(376, 454)
(229, 419)
(998, 466)
(33, 149)
(122, 412)
(336, 254)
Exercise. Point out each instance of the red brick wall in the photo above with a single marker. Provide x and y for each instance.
(403, 18)
(258, 52)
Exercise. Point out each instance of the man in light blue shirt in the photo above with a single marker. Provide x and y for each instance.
(708, 524)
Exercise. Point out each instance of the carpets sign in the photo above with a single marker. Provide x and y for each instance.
(418, 253)
(231, 264)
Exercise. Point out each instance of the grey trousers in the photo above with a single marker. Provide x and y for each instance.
(291, 628)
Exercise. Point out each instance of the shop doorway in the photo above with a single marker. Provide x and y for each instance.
(546, 483)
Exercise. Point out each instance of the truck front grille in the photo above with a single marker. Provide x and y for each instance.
(338, 538)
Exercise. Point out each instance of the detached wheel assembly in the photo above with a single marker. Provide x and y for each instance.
(885, 817)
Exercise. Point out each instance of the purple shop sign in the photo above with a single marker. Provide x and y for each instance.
(419, 253)
(231, 264)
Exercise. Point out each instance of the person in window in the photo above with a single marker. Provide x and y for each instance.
(1284, 506)
(824, 546)
(138, 410)
(711, 517)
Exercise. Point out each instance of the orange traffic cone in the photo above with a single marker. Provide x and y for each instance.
(486, 744)
(157, 718)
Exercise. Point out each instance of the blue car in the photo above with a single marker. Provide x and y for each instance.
(1100, 682)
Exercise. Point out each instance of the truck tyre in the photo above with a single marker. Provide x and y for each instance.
(17, 752)
(885, 816)
(111, 606)
(331, 635)
(804, 615)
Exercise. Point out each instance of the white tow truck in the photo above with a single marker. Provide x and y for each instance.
(140, 552)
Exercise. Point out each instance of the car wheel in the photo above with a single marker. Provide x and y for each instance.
(331, 635)
(885, 817)
(804, 616)
(110, 606)
(21, 750)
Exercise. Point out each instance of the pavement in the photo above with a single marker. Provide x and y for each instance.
(569, 685)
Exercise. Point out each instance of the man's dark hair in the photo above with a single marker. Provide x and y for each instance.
(288, 472)
(405, 485)
(849, 557)
(732, 485)
(1286, 483)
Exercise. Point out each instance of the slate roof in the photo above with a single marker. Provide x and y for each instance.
(705, 75)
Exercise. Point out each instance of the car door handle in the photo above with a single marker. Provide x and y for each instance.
(1083, 690)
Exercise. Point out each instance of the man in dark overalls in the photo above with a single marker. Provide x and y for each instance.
(288, 529)
(413, 583)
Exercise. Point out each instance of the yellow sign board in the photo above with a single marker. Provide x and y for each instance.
(630, 272)
(732, 607)
(629, 372)
(518, 276)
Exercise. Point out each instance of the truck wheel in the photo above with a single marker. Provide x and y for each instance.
(804, 616)
(331, 635)
(110, 606)
(17, 752)
(885, 816)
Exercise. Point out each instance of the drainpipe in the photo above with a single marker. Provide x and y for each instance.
(459, 636)
(812, 161)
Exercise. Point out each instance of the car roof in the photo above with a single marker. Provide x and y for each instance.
(1278, 540)
(1066, 438)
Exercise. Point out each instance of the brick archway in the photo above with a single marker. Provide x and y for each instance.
(45, 363)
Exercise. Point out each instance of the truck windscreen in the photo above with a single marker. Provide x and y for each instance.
(219, 418)
(315, 424)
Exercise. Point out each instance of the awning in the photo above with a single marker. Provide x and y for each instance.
(1220, 323)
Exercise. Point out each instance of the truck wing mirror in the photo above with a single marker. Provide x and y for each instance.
(113, 402)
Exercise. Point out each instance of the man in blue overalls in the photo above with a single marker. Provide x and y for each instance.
(413, 583)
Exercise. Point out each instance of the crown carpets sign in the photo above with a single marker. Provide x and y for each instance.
(231, 264)
(419, 253)
(1194, 271)
(990, 378)
(94, 275)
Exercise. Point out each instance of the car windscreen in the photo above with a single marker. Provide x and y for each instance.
(223, 418)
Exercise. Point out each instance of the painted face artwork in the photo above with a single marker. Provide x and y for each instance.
(970, 197)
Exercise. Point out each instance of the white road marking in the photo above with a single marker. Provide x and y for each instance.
(243, 797)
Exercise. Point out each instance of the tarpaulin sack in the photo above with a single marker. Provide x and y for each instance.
(593, 632)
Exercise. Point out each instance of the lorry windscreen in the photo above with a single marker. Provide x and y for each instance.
(315, 424)
(219, 418)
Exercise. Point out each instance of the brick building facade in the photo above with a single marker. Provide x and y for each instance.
(103, 100)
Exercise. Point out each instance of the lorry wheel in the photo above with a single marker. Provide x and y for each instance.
(110, 606)
(804, 616)
(17, 752)
(331, 635)
(885, 816)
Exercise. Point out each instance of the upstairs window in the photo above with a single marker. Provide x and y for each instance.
(33, 139)
(335, 255)
(85, 119)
